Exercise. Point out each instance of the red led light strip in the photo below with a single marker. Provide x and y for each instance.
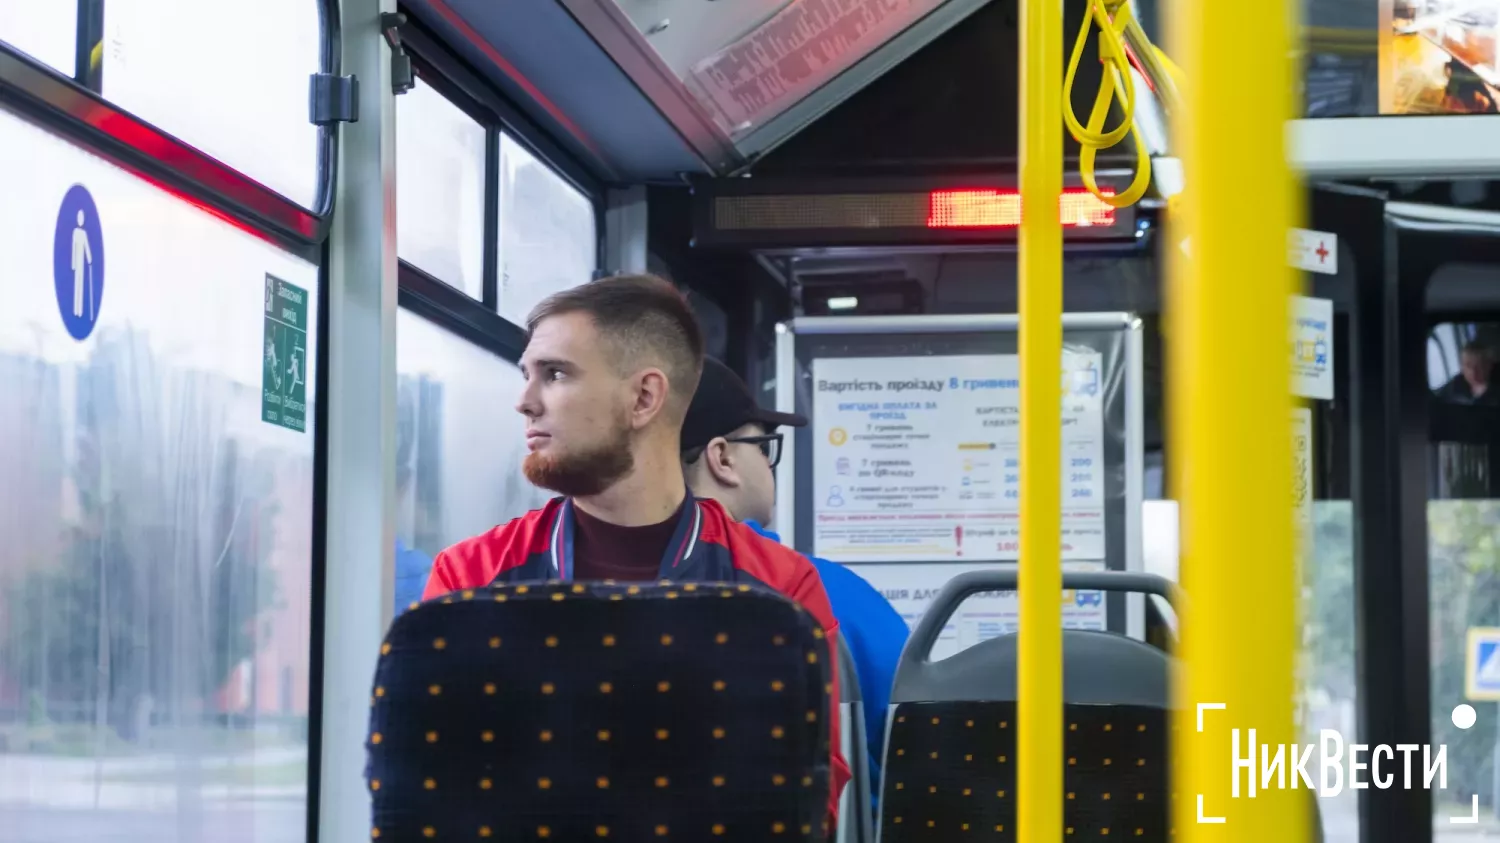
(1002, 209)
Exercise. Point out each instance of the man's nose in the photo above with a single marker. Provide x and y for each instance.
(527, 405)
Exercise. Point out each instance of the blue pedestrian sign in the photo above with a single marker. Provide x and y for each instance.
(1482, 664)
(78, 262)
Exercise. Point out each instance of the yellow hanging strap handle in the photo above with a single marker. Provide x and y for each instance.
(1113, 18)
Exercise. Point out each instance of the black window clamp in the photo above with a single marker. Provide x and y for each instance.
(335, 99)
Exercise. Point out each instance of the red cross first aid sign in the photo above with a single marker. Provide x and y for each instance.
(1314, 251)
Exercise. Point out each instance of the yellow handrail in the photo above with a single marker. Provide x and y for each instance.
(1039, 671)
(1230, 416)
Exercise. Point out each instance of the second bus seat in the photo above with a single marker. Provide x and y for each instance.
(950, 764)
(581, 711)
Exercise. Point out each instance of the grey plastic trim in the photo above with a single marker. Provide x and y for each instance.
(1413, 216)
(1099, 668)
(847, 832)
(848, 675)
(900, 47)
(947, 324)
(786, 402)
(1135, 473)
(855, 800)
(1453, 146)
(963, 586)
(360, 394)
(612, 30)
(625, 236)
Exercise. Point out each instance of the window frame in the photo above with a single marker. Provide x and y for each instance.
(479, 320)
(70, 111)
(460, 82)
(72, 107)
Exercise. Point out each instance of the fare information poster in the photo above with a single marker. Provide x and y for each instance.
(917, 459)
(911, 590)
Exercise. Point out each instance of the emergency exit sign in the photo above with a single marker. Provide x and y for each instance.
(283, 396)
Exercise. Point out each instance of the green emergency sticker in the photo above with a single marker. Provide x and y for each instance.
(283, 395)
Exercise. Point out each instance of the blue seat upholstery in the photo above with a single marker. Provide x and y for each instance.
(572, 711)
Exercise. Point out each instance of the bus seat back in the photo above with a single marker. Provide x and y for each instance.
(951, 755)
(581, 711)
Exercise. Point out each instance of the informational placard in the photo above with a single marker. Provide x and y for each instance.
(917, 459)
(1302, 470)
(1314, 251)
(911, 589)
(78, 262)
(1312, 347)
(283, 398)
(1482, 664)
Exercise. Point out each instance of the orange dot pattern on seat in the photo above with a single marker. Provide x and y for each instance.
(599, 718)
(951, 773)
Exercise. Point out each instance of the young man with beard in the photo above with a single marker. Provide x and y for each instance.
(610, 370)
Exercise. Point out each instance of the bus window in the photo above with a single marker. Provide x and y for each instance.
(48, 32)
(236, 89)
(548, 241)
(459, 447)
(440, 166)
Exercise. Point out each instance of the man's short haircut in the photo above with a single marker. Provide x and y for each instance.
(646, 319)
(1478, 349)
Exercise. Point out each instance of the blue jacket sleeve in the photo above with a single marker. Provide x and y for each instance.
(412, 568)
(875, 634)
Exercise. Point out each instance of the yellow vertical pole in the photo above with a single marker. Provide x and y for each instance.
(1040, 748)
(1230, 402)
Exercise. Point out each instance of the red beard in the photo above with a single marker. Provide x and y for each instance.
(584, 473)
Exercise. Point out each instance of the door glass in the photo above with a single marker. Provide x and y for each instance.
(48, 32)
(1463, 523)
(157, 511)
(203, 75)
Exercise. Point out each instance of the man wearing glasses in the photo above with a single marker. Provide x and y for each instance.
(730, 445)
(729, 450)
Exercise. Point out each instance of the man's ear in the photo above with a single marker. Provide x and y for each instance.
(652, 392)
(719, 461)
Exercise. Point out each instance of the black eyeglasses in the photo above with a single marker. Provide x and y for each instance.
(770, 445)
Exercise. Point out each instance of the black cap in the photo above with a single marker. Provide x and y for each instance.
(723, 404)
